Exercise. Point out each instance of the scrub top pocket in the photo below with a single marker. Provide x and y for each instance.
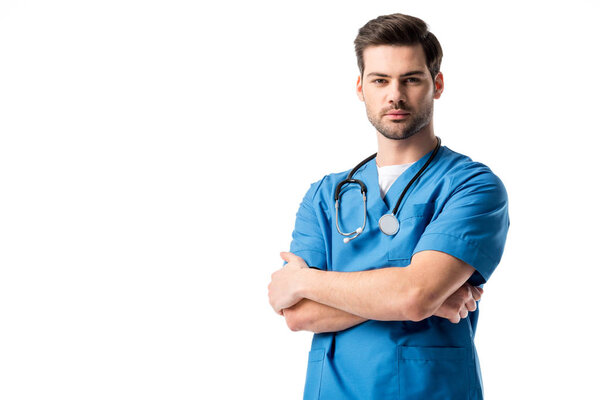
(312, 386)
(414, 218)
(433, 373)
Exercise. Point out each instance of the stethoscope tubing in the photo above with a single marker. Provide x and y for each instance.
(384, 222)
(417, 175)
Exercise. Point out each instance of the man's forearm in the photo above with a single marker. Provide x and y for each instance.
(308, 315)
(376, 294)
(409, 293)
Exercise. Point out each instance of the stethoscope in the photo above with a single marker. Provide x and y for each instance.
(388, 223)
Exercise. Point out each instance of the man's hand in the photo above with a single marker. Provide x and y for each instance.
(458, 305)
(283, 289)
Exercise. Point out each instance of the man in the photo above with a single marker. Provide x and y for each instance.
(389, 306)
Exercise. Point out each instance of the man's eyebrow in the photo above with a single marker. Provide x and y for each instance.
(412, 73)
(379, 74)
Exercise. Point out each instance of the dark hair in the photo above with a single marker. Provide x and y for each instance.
(400, 30)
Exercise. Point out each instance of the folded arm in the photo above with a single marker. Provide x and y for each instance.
(410, 293)
(308, 315)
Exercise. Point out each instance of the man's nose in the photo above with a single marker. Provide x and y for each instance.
(396, 94)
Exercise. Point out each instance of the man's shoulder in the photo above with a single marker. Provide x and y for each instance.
(461, 171)
(462, 167)
(325, 186)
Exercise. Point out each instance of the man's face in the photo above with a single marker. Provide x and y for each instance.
(398, 90)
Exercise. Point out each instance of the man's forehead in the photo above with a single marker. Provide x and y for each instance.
(394, 59)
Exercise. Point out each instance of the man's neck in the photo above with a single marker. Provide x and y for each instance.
(395, 152)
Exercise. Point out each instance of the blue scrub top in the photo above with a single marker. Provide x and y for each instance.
(458, 207)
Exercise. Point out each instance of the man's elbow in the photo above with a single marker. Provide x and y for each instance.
(417, 307)
(418, 313)
(296, 320)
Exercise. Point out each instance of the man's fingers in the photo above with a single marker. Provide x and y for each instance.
(278, 311)
(455, 319)
(471, 305)
(460, 303)
(477, 292)
(291, 258)
(287, 256)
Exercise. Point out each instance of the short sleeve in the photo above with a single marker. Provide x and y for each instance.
(307, 239)
(472, 225)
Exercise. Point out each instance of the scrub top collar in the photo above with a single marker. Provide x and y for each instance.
(370, 175)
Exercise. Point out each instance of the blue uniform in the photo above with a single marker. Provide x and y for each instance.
(458, 207)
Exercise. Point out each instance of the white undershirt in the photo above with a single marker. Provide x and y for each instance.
(388, 175)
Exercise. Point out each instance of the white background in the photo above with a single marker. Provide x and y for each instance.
(153, 155)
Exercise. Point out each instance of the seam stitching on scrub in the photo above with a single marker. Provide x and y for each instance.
(470, 242)
(414, 216)
(314, 251)
(319, 183)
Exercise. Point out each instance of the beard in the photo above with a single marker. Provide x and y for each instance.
(402, 129)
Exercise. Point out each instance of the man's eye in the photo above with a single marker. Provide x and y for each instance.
(412, 80)
(379, 81)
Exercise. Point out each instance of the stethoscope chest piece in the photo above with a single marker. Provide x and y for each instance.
(389, 224)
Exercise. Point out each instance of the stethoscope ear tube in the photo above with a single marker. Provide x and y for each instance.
(338, 188)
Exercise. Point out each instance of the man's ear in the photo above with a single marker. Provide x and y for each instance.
(359, 89)
(439, 85)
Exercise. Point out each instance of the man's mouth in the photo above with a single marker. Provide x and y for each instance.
(397, 114)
